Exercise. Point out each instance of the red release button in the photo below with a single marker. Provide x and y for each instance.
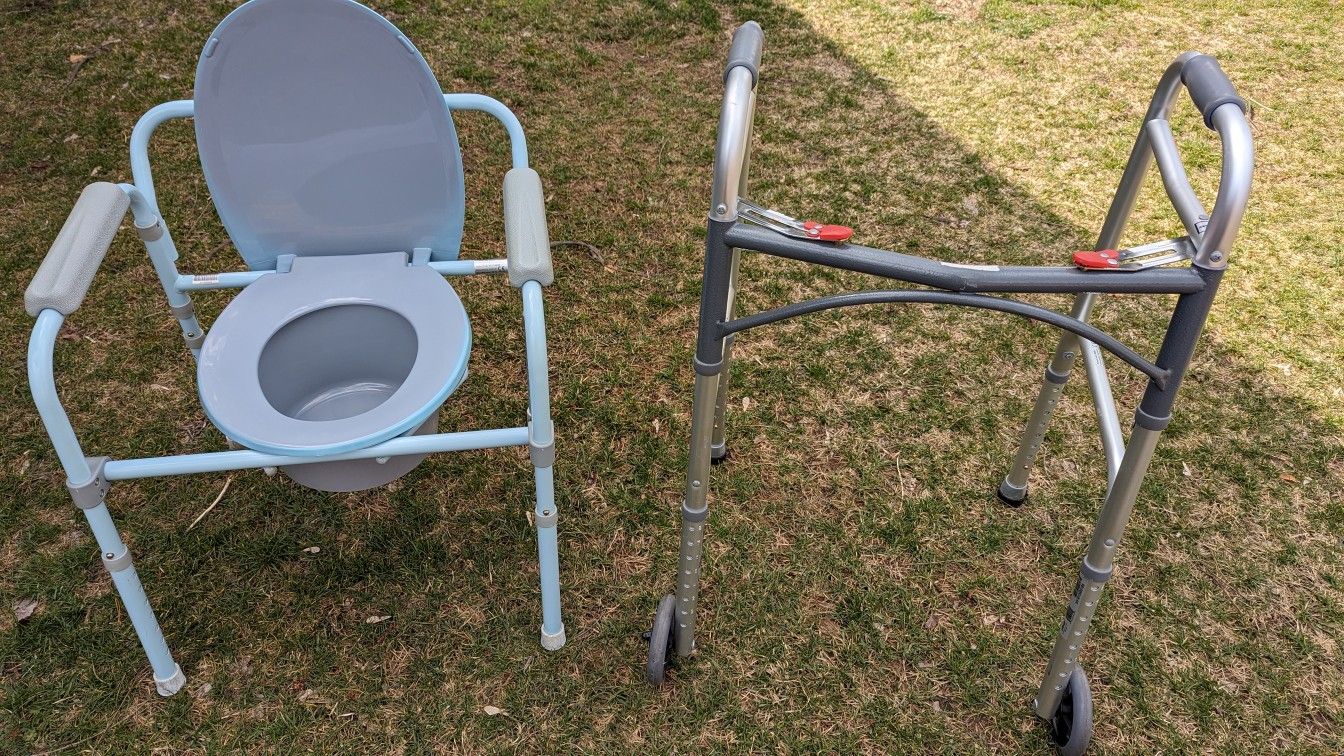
(1100, 259)
(827, 231)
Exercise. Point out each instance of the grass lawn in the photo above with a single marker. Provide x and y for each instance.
(863, 590)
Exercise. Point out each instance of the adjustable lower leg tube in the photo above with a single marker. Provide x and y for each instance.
(718, 448)
(1097, 567)
(1014, 487)
(694, 512)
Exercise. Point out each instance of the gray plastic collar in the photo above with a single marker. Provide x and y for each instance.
(542, 456)
(118, 562)
(708, 369)
(90, 493)
(152, 232)
(691, 515)
(1147, 421)
(194, 342)
(1053, 377)
(182, 312)
(548, 518)
(1095, 575)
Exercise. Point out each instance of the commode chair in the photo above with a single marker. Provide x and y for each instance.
(1190, 266)
(332, 159)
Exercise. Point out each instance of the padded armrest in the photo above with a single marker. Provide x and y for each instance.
(65, 274)
(525, 236)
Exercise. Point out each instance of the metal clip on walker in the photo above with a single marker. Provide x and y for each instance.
(789, 226)
(1141, 257)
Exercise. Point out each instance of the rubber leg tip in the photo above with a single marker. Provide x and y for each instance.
(718, 459)
(1009, 501)
(553, 642)
(171, 685)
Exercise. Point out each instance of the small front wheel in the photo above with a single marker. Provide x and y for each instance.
(1071, 726)
(662, 640)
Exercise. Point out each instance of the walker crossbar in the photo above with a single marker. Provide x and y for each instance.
(981, 301)
(1062, 699)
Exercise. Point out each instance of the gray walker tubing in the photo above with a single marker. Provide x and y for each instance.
(1211, 235)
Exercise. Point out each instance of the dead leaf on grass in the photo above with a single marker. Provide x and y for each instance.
(24, 608)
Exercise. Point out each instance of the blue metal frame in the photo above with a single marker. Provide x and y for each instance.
(539, 434)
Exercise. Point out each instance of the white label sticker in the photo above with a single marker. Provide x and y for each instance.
(970, 267)
(208, 279)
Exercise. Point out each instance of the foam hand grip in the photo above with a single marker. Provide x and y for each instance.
(68, 269)
(1209, 87)
(525, 235)
(746, 50)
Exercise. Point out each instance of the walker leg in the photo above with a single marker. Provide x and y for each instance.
(710, 360)
(89, 496)
(1013, 490)
(1150, 419)
(1098, 563)
(542, 444)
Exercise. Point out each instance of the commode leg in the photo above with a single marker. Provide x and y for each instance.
(89, 497)
(542, 443)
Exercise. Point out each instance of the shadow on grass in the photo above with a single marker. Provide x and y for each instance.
(863, 591)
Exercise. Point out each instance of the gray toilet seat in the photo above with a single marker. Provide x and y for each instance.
(364, 349)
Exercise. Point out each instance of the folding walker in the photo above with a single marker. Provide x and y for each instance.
(330, 153)
(735, 224)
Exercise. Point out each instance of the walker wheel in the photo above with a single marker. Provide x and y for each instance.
(662, 640)
(1071, 726)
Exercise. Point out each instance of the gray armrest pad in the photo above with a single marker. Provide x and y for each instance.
(65, 274)
(525, 236)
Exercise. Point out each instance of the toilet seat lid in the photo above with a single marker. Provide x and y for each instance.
(230, 370)
(322, 131)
